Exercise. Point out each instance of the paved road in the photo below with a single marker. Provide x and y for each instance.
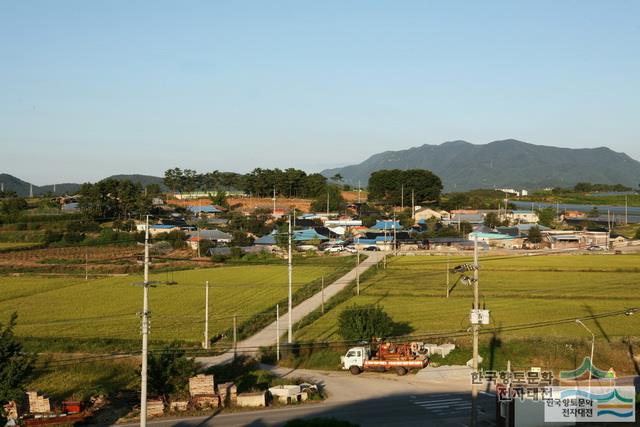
(370, 399)
(267, 336)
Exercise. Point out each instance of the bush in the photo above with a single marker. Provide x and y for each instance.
(534, 235)
(218, 258)
(358, 323)
(51, 236)
(73, 237)
(236, 253)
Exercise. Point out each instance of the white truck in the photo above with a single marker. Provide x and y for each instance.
(399, 357)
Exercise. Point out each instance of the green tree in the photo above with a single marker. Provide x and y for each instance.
(546, 216)
(534, 235)
(15, 365)
(334, 195)
(220, 199)
(169, 371)
(465, 228)
(364, 322)
(13, 205)
(387, 185)
(637, 235)
(492, 220)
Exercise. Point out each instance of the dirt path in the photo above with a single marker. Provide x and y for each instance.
(267, 336)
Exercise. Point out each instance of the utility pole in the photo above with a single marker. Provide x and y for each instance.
(274, 200)
(145, 331)
(235, 335)
(278, 332)
(357, 270)
(447, 276)
(359, 191)
(322, 292)
(395, 242)
(289, 270)
(86, 264)
(413, 204)
(476, 330)
(327, 203)
(593, 341)
(402, 197)
(198, 225)
(626, 208)
(206, 315)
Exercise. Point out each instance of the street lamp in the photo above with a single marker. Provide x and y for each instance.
(593, 340)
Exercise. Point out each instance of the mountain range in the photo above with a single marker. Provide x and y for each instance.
(507, 163)
(460, 164)
(22, 188)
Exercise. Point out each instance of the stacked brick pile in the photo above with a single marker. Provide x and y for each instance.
(38, 404)
(228, 393)
(201, 384)
(203, 392)
(155, 407)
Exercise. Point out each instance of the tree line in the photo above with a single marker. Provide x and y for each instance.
(259, 182)
(391, 186)
(112, 198)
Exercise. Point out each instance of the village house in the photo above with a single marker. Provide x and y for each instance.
(522, 217)
(427, 213)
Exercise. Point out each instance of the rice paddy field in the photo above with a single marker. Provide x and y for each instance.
(106, 308)
(517, 290)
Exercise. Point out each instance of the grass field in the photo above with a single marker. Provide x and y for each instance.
(516, 290)
(16, 245)
(107, 308)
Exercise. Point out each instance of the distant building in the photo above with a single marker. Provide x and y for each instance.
(386, 225)
(427, 213)
(529, 217)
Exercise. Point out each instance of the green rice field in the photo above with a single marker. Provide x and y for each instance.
(517, 290)
(108, 307)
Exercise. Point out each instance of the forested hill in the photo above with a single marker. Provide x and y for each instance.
(508, 163)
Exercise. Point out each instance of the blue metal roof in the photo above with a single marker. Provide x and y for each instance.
(308, 234)
(386, 224)
(366, 241)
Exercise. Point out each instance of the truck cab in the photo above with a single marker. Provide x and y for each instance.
(355, 358)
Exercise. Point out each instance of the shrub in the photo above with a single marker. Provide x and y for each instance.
(236, 252)
(357, 323)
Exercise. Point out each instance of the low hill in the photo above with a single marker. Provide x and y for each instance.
(508, 163)
(22, 188)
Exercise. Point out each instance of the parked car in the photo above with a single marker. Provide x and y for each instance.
(594, 248)
(351, 249)
(334, 249)
(372, 248)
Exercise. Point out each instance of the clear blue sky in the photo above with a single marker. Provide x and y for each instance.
(94, 88)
